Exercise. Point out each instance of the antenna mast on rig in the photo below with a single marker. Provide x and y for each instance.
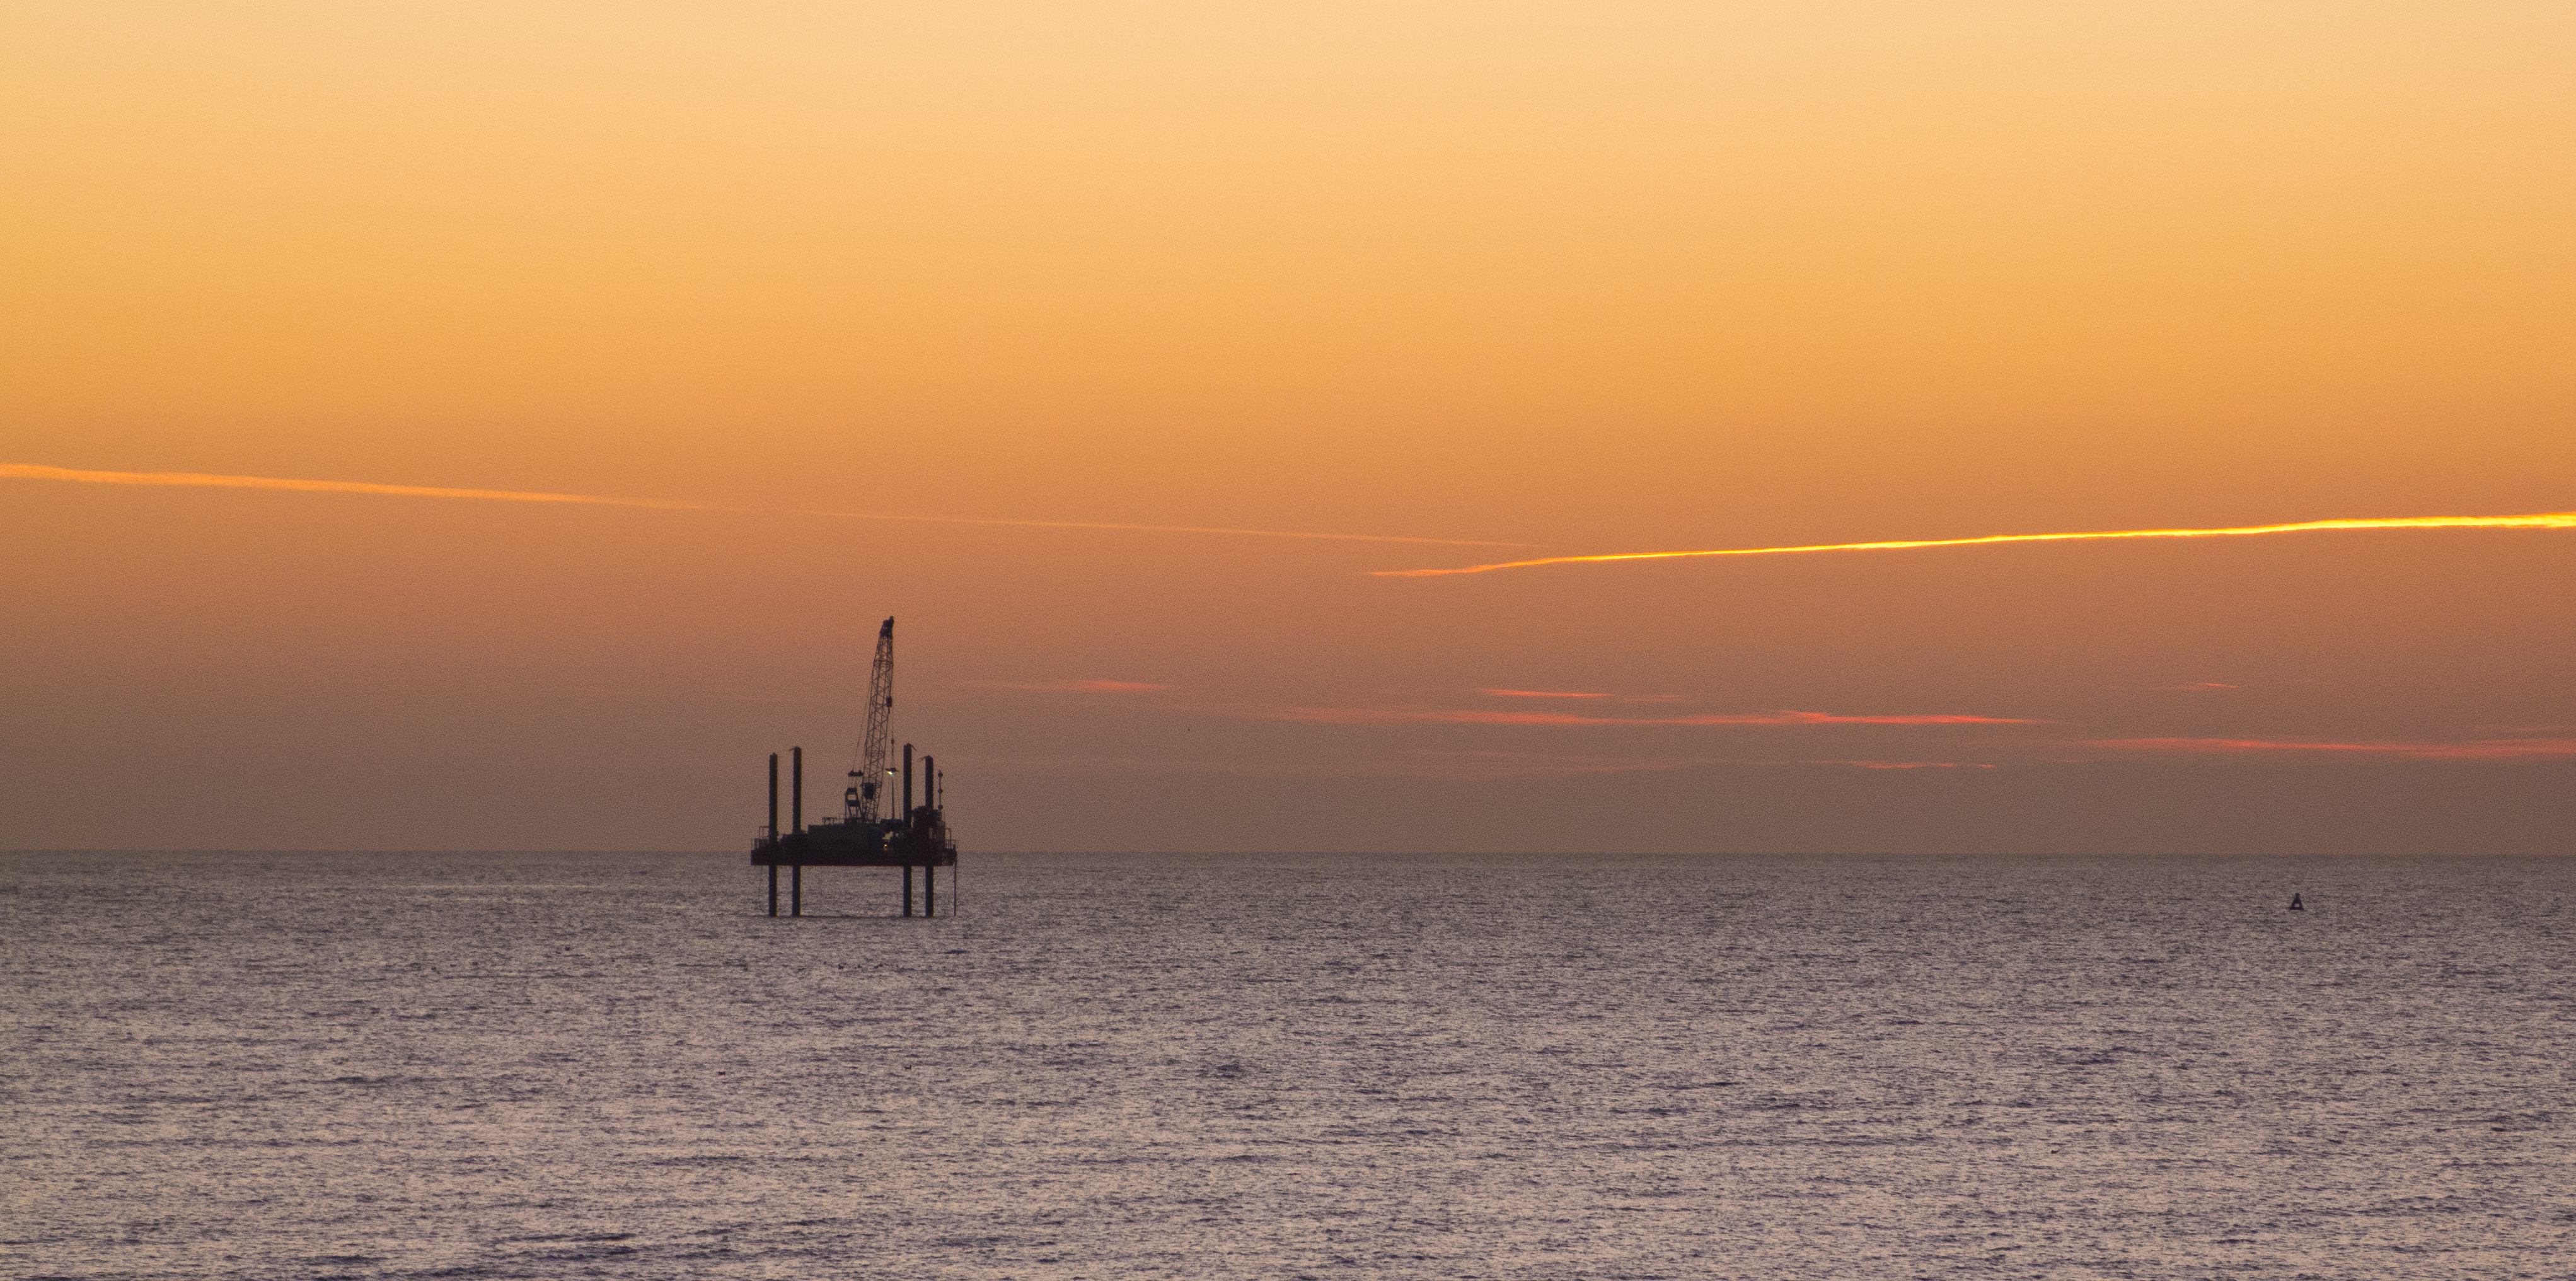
(860, 803)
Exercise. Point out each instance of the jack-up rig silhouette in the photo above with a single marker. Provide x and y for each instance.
(915, 836)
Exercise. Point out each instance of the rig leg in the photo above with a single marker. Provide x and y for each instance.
(930, 891)
(907, 889)
(796, 890)
(773, 889)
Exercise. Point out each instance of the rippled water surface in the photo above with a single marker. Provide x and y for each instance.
(481, 1065)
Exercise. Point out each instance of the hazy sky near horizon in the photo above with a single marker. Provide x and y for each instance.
(1564, 279)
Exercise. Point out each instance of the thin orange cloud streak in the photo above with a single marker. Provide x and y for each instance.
(1541, 693)
(32, 471)
(2491, 749)
(29, 471)
(1382, 715)
(2544, 520)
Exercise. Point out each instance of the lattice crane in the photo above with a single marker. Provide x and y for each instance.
(860, 803)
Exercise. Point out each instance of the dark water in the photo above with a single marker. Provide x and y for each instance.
(595, 1065)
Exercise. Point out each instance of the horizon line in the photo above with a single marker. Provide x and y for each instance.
(1282, 853)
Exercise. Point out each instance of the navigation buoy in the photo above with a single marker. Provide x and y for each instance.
(2296, 905)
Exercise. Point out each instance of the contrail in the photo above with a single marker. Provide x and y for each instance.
(2545, 520)
(31, 471)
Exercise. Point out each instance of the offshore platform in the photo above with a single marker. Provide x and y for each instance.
(871, 832)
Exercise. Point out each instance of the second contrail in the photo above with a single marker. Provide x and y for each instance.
(2544, 520)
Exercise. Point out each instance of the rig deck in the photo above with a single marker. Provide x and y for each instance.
(919, 839)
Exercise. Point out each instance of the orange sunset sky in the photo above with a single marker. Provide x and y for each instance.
(1539, 280)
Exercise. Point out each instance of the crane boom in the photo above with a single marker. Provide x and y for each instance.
(861, 802)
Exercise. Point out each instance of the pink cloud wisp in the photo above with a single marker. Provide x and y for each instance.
(1391, 715)
(1078, 687)
(2492, 749)
(1911, 764)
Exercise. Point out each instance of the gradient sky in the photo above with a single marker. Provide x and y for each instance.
(1564, 279)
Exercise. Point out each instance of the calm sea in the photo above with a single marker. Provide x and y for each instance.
(549, 1065)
